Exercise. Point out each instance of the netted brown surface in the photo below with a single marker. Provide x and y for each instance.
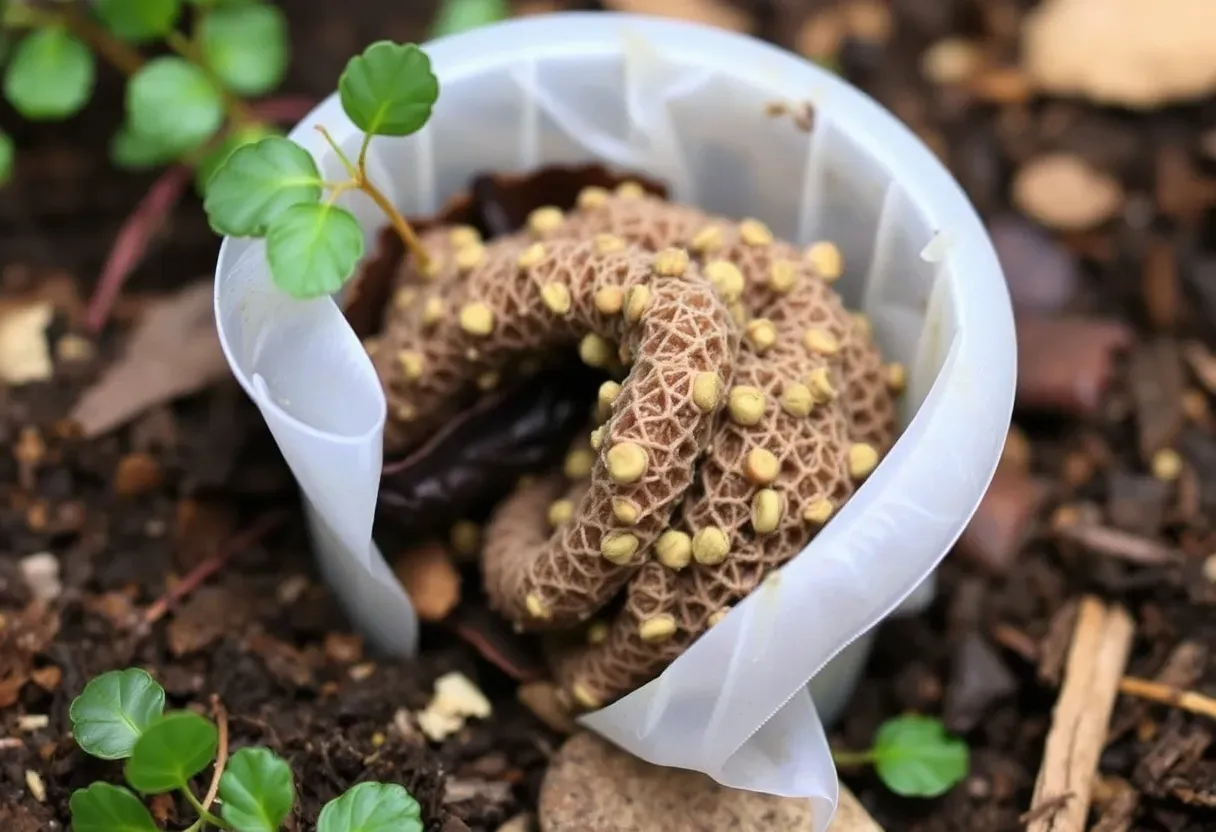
(750, 404)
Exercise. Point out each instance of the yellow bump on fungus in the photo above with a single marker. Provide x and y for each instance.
(597, 632)
(625, 511)
(820, 384)
(532, 256)
(657, 629)
(411, 364)
(761, 333)
(578, 464)
(488, 381)
(1166, 464)
(626, 462)
(707, 240)
(431, 268)
(862, 459)
(608, 392)
(797, 400)
(630, 190)
(466, 537)
(726, 278)
(897, 377)
(470, 257)
(706, 390)
(608, 243)
(623, 356)
(715, 618)
(755, 233)
(821, 342)
(609, 299)
(584, 697)
(782, 276)
(405, 412)
(597, 438)
(818, 511)
(432, 312)
(863, 325)
(761, 466)
(556, 297)
(636, 302)
(827, 260)
(560, 511)
(746, 405)
(464, 235)
(673, 549)
(477, 319)
(536, 607)
(594, 350)
(404, 298)
(544, 219)
(671, 262)
(619, 547)
(592, 197)
(710, 546)
(766, 511)
(472, 354)
(738, 313)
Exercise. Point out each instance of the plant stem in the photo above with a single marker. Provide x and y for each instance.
(123, 57)
(350, 169)
(398, 222)
(194, 827)
(339, 189)
(203, 814)
(850, 759)
(221, 754)
(238, 111)
(362, 163)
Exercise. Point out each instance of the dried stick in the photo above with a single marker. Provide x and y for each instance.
(221, 754)
(1187, 700)
(1101, 642)
(851, 816)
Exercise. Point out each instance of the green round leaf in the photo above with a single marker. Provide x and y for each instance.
(460, 15)
(113, 712)
(372, 807)
(139, 20)
(50, 75)
(257, 791)
(257, 183)
(170, 752)
(915, 757)
(6, 158)
(247, 47)
(313, 248)
(135, 151)
(219, 155)
(389, 90)
(105, 808)
(173, 101)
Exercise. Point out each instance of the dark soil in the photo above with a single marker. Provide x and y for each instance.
(1077, 508)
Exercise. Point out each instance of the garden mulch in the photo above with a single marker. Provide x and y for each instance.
(1103, 503)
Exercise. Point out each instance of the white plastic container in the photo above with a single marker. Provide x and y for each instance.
(688, 105)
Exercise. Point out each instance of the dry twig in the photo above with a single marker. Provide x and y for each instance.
(1187, 700)
(221, 755)
(1101, 642)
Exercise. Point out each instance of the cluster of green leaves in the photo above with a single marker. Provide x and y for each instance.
(914, 756)
(121, 715)
(183, 106)
(273, 189)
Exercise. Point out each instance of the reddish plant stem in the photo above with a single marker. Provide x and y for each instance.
(213, 564)
(132, 241)
(284, 108)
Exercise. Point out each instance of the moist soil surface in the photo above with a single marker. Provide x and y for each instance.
(1107, 487)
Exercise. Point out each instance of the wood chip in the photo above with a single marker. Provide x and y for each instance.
(25, 355)
(1101, 644)
(1064, 192)
(851, 816)
(430, 580)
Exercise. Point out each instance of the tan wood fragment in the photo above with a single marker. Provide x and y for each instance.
(851, 816)
(1101, 642)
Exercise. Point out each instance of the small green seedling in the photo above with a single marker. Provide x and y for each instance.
(272, 188)
(121, 715)
(914, 756)
(181, 107)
